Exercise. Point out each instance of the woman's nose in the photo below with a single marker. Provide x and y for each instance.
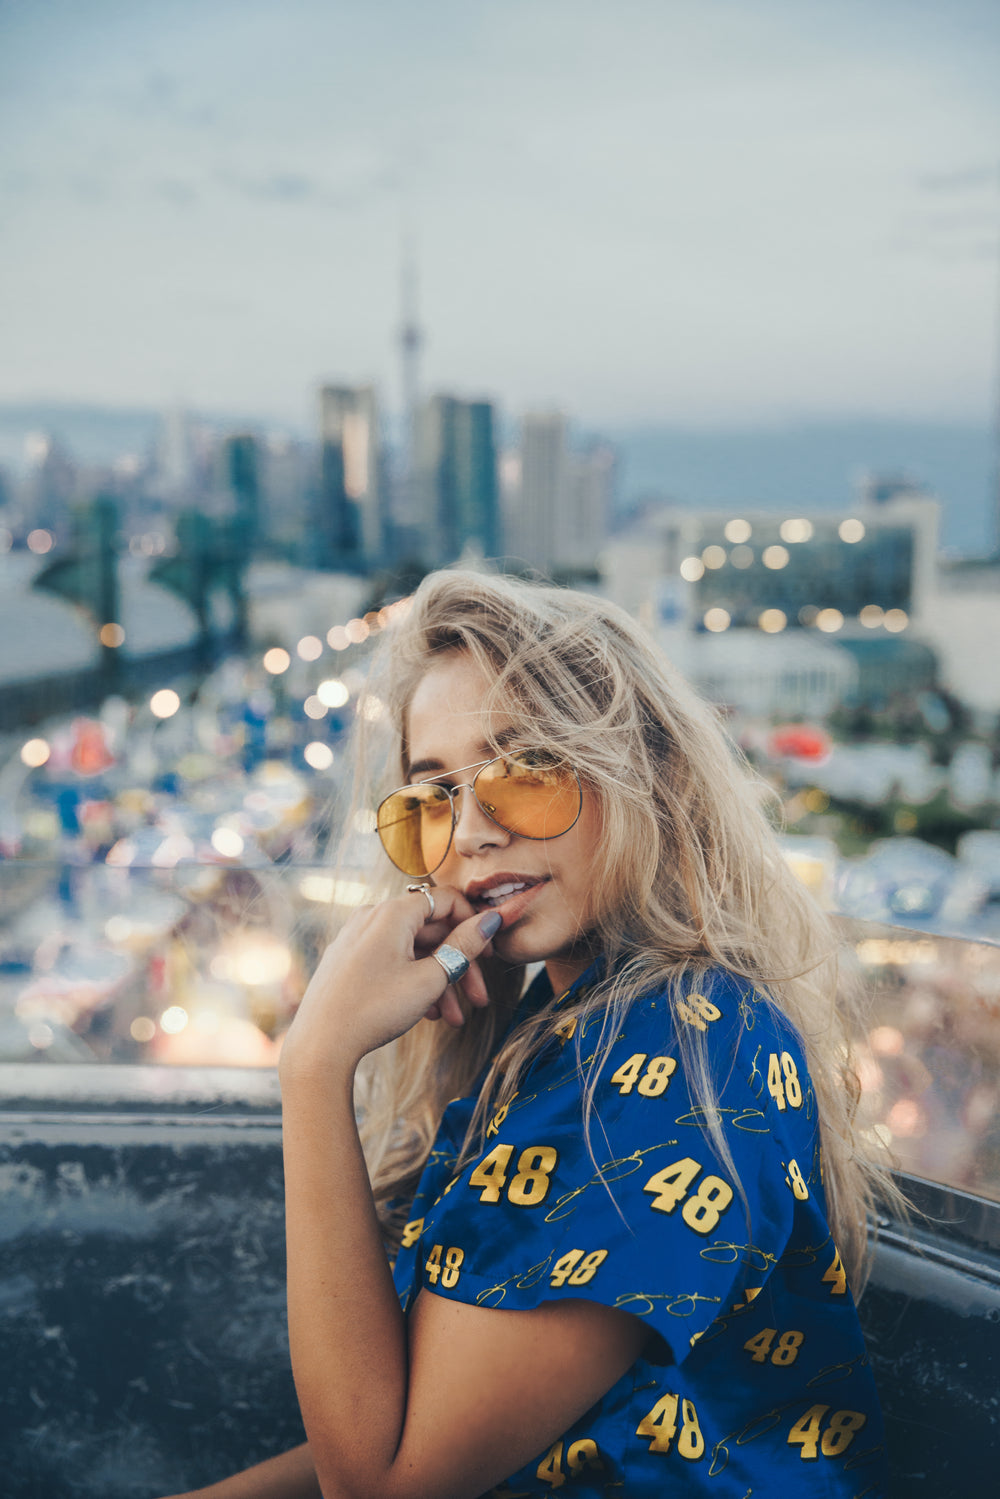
(475, 831)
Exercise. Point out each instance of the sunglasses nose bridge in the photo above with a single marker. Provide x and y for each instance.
(483, 823)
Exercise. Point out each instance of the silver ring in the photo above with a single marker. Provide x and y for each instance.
(454, 963)
(423, 889)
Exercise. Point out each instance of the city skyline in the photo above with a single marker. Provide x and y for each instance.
(665, 213)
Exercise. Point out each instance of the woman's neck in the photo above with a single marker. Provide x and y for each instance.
(564, 971)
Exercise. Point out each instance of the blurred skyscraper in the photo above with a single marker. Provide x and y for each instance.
(240, 476)
(176, 459)
(349, 529)
(456, 479)
(539, 500)
(50, 486)
(559, 503)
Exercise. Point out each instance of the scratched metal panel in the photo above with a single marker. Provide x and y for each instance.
(932, 1322)
(142, 1301)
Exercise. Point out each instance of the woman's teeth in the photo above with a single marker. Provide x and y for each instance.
(500, 893)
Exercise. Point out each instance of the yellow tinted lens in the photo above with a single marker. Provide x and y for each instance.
(414, 825)
(531, 795)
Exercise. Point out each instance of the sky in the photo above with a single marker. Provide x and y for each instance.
(682, 211)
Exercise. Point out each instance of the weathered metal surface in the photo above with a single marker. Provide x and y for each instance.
(932, 1321)
(142, 1304)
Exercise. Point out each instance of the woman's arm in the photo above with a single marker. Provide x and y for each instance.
(448, 1402)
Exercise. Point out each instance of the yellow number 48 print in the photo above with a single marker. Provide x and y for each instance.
(579, 1455)
(841, 1429)
(531, 1182)
(660, 1425)
(672, 1185)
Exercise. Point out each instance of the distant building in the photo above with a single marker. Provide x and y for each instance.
(538, 503)
(789, 676)
(177, 462)
(558, 502)
(964, 628)
(768, 571)
(240, 477)
(783, 614)
(588, 505)
(50, 486)
(287, 468)
(349, 518)
(456, 482)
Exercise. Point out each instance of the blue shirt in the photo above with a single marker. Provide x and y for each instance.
(758, 1383)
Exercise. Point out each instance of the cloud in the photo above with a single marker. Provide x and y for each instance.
(158, 96)
(173, 190)
(17, 184)
(283, 187)
(287, 186)
(965, 180)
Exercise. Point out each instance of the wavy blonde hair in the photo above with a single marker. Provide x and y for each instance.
(688, 866)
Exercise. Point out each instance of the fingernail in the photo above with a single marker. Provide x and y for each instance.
(490, 923)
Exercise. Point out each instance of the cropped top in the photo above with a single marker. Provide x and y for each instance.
(758, 1382)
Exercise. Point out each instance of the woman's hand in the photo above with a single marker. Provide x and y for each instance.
(377, 979)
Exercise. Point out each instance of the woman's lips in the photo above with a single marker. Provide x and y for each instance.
(511, 907)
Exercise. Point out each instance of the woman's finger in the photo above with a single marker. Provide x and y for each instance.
(467, 941)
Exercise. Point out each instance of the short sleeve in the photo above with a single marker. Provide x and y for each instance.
(649, 1216)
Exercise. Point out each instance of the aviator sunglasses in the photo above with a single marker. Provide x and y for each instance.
(531, 793)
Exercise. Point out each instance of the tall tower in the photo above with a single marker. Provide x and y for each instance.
(411, 341)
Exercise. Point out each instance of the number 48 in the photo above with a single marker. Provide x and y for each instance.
(787, 1089)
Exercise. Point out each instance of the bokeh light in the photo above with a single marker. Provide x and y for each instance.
(717, 620)
(691, 569)
(775, 557)
(356, 631)
(314, 707)
(333, 693)
(318, 755)
(173, 1020)
(310, 648)
(227, 842)
(796, 530)
(337, 638)
(714, 556)
(276, 660)
(851, 530)
(772, 621)
(738, 530)
(35, 752)
(896, 620)
(112, 635)
(165, 703)
(829, 621)
(40, 541)
(871, 616)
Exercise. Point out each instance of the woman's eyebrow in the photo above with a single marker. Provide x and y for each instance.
(484, 751)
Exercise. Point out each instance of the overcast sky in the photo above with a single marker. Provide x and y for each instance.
(704, 211)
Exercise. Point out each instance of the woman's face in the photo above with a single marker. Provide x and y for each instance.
(551, 918)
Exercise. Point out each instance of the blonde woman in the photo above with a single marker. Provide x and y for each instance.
(626, 1207)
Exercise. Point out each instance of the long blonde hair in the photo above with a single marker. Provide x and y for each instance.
(689, 869)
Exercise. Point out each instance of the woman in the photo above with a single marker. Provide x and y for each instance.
(625, 1209)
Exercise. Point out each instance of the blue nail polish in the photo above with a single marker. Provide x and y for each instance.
(490, 923)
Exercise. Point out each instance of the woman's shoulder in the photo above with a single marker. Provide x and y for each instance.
(727, 1011)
